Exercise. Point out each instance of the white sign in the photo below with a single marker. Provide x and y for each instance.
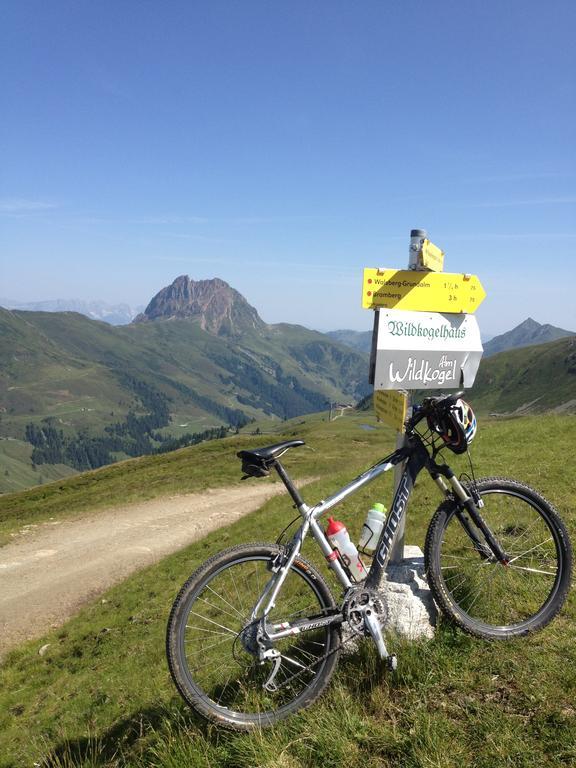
(426, 350)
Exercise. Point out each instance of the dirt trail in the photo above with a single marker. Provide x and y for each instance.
(48, 574)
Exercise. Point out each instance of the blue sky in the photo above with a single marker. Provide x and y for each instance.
(283, 146)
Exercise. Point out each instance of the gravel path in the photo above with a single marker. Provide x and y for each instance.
(52, 569)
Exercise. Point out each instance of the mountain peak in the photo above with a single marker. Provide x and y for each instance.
(524, 335)
(528, 325)
(218, 307)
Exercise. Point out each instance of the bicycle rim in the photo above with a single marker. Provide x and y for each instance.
(486, 597)
(214, 671)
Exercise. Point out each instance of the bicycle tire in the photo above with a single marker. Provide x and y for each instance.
(488, 599)
(222, 681)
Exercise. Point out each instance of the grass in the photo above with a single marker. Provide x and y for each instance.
(101, 694)
(17, 471)
(520, 378)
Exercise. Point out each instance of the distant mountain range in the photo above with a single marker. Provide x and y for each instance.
(359, 340)
(186, 298)
(115, 314)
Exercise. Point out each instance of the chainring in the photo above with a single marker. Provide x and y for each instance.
(357, 602)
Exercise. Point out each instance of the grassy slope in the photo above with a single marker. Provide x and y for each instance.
(16, 469)
(544, 375)
(101, 696)
(63, 365)
(171, 350)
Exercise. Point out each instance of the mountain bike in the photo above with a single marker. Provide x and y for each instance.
(255, 633)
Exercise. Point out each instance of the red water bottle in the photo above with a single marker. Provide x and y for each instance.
(339, 538)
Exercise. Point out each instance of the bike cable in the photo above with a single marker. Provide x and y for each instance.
(279, 539)
(473, 483)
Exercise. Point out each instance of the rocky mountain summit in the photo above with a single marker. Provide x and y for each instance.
(218, 307)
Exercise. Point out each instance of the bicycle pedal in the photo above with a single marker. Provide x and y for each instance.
(392, 662)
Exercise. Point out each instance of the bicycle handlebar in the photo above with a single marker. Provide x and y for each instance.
(431, 406)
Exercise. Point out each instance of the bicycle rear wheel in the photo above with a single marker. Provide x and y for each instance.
(484, 597)
(209, 663)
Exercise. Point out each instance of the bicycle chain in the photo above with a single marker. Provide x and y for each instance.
(353, 636)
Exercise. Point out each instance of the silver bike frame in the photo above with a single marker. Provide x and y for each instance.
(416, 458)
(310, 524)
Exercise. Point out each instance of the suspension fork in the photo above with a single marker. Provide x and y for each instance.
(468, 504)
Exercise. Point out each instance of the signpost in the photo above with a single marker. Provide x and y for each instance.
(390, 407)
(424, 350)
(421, 291)
(425, 335)
(431, 257)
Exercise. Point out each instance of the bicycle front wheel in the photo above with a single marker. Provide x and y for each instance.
(484, 597)
(210, 640)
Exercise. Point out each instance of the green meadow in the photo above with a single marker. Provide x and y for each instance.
(101, 695)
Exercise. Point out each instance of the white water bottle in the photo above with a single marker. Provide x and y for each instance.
(339, 538)
(372, 528)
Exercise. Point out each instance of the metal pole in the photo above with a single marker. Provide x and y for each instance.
(417, 237)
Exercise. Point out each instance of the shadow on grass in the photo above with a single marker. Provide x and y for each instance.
(125, 741)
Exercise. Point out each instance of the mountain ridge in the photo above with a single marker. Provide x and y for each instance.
(527, 333)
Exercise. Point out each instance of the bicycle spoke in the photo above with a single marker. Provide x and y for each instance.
(525, 533)
(529, 550)
(204, 648)
(205, 618)
(225, 601)
(211, 631)
(553, 574)
(211, 605)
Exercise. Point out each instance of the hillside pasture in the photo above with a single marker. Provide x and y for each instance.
(100, 694)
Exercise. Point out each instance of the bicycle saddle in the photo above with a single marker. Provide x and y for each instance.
(257, 463)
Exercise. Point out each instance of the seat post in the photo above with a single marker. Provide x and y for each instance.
(290, 487)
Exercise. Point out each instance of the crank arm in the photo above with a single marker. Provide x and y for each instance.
(375, 631)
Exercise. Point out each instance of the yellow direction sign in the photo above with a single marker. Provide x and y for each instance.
(390, 407)
(431, 256)
(421, 291)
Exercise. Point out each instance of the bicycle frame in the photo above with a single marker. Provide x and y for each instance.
(416, 458)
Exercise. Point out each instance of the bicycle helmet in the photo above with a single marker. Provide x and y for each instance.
(455, 424)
